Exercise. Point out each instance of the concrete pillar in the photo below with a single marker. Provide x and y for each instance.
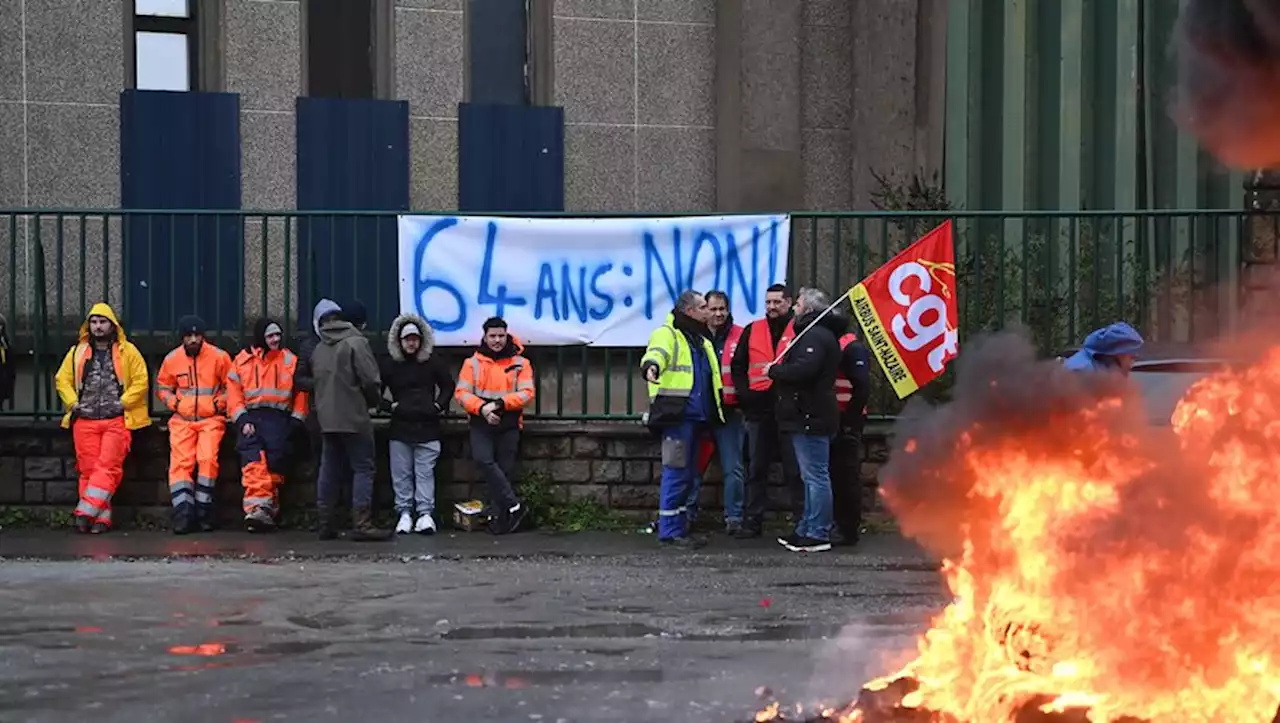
(758, 111)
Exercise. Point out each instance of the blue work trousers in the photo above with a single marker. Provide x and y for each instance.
(679, 468)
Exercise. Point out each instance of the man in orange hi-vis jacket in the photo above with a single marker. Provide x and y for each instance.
(264, 408)
(103, 385)
(494, 387)
(192, 383)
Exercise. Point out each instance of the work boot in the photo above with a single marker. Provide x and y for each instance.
(259, 520)
(326, 529)
(82, 524)
(182, 521)
(747, 532)
(363, 529)
(684, 543)
(98, 528)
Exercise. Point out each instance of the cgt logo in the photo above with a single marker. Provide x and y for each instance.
(926, 321)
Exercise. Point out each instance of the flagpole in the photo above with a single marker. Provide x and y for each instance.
(826, 311)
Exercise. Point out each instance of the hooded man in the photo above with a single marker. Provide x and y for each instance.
(192, 384)
(103, 385)
(325, 310)
(683, 375)
(420, 391)
(348, 385)
(1111, 348)
(807, 411)
(494, 387)
(7, 363)
(264, 405)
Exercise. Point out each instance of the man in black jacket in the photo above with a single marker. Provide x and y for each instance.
(760, 343)
(805, 380)
(420, 392)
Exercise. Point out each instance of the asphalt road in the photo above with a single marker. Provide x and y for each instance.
(229, 629)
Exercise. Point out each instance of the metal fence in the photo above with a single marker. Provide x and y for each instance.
(1174, 274)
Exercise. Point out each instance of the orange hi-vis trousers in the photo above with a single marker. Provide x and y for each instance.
(193, 460)
(101, 446)
(261, 486)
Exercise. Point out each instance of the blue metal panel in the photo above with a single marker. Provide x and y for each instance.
(510, 158)
(181, 151)
(498, 51)
(352, 155)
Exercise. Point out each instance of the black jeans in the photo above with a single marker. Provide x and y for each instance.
(346, 457)
(766, 445)
(846, 483)
(497, 456)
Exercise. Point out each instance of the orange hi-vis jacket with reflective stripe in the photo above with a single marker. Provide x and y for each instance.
(844, 387)
(729, 391)
(761, 352)
(195, 388)
(261, 379)
(508, 379)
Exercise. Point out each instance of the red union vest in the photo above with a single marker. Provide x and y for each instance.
(844, 387)
(726, 361)
(762, 352)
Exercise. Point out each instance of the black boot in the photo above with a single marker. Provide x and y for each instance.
(181, 520)
(363, 529)
(326, 529)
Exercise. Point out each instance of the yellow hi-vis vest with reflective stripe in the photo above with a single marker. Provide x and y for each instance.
(669, 349)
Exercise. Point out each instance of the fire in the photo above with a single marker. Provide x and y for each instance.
(1096, 564)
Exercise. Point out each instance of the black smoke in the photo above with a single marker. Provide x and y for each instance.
(1228, 92)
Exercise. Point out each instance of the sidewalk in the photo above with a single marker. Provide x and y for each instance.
(880, 549)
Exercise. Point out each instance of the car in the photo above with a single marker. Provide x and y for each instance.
(1164, 374)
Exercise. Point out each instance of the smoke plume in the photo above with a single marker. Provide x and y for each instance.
(1228, 92)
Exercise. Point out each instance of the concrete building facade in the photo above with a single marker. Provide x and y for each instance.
(670, 105)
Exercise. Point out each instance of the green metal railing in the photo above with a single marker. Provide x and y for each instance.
(1174, 274)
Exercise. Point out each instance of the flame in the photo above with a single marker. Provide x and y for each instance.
(1103, 565)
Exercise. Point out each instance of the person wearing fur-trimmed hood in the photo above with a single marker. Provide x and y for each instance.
(420, 389)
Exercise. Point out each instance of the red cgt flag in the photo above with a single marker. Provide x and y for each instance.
(915, 294)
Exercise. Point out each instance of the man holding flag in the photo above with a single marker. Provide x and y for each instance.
(807, 411)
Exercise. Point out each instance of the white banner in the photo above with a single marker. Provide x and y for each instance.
(604, 282)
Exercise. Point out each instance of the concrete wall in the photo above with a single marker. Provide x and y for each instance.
(614, 464)
(671, 105)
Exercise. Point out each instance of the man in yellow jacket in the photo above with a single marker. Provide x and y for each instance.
(103, 386)
(685, 404)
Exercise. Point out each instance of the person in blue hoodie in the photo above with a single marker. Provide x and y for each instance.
(1111, 348)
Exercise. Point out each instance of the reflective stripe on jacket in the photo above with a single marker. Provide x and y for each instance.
(844, 387)
(762, 352)
(130, 368)
(669, 351)
(264, 380)
(726, 361)
(506, 379)
(194, 388)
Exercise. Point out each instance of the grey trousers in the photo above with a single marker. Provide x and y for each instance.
(413, 475)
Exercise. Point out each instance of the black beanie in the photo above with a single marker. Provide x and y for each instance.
(355, 313)
(191, 324)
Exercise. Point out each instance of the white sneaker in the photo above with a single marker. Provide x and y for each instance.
(425, 526)
(405, 524)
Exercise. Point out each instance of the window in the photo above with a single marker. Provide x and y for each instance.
(340, 60)
(164, 45)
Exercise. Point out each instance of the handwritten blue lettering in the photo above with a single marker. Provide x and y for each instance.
(579, 274)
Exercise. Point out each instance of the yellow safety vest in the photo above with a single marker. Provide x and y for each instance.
(669, 350)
